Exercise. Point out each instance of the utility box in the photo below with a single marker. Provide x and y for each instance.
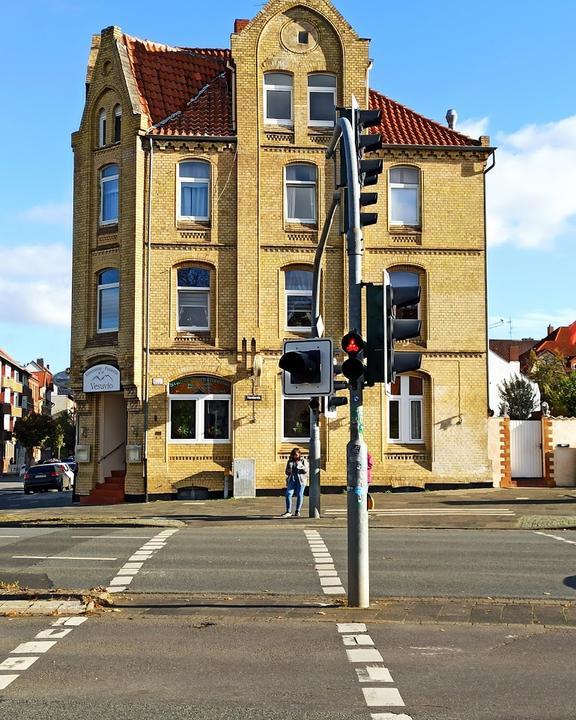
(244, 478)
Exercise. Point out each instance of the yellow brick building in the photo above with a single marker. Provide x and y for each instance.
(201, 186)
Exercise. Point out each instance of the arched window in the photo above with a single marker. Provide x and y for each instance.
(194, 190)
(278, 98)
(108, 311)
(406, 278)
(102, 128)
(405, 197)
(117, 123)
(193, 299)
(199, 410)
(109, 195)
(298, 300)
(405, 405)
(321, 100)
(300, 194)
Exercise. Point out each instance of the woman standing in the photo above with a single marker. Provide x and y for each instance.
(296, 479)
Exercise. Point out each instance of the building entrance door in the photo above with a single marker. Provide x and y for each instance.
(526, 448)
(112, 446)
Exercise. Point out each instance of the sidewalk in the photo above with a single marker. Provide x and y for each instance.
(509, 509)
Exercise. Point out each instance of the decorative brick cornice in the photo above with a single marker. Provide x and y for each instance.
(411, 152)
(191, 246)
(107, 250)
(423, 251)
(204, 351)
(193, 146)
(288, 249)
(294, 149)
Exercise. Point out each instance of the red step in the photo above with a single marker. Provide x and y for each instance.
(110, 492)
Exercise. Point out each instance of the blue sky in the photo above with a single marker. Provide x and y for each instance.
(507, 68)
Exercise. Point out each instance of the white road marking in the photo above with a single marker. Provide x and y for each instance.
(75, 621)
(5, 680)
(336, 590)
(18, 663)
(58, 557)
(132, 566)
(327, 573)
(351, 627)
(128, 571)
(374, 673)
(390, 716)
(330, 581)
(324, 564)
(353, 640)
(364, 655)
(113, 589)
(40, 646)
(432, 511)
(9, 536)
(106, 537)
(53, 633)
(121, 580)
(556, 537)
(383, 697)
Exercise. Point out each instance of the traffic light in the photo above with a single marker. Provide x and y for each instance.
(307, 366)
(353, 368)
(368, 170)
(399, 329)
(383, 362)
(333, 401)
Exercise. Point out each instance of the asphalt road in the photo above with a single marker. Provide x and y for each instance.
(289, 559)
(140, 666)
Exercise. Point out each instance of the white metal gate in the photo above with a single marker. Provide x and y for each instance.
(526, 448)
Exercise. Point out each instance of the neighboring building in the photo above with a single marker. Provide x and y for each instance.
(500, 370)
(62, 396)
(201, 185)
(511, 350)
(560, 341)
(13, 405)
(43, 376)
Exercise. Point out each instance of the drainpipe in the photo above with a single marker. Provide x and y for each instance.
(486, 171)
(147, 334)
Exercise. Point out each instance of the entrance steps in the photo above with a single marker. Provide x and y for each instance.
(110, 492)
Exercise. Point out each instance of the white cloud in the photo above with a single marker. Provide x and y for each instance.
(51, 213)
(530, 193)
(35, 285)
(473, 127)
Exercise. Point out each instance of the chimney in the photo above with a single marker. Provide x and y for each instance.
(239, 25)
(40, 361)
(550, 329)
(451, 118)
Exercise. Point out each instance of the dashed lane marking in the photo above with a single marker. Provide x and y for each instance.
(101, 537)
(359, 649)
(324, 566)
(132, 567)
(26, 654)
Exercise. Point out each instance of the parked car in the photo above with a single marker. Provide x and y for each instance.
(46, 477)
(22, 471)
(72, 464)
(69, 472)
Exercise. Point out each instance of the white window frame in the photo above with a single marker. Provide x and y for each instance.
(187, 288)
(404, 401)
(200, 429)
(103, 181)
(299, 293)
(405, 186)
(117, 114)
(102, 128)
(279, 88)
(106, 286)
(303, 183)
(195, 181)
(285, 438)
(329, 89)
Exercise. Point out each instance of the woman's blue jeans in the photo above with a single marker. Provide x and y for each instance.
(295, 486)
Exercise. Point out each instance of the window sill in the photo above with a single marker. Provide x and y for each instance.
(405, 230)
(108, 229)
(182, 224)
(291, 226)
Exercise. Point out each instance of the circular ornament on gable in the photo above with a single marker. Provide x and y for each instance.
(299, 36)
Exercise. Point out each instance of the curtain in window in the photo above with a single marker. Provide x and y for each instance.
(110, 200)
(193, 309)
(194, 201)
(298, 280)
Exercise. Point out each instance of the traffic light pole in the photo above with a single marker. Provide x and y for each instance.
(356, 450)
(315, 447)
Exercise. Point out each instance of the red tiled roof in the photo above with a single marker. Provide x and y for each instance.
(562, 340)
(402, 126)
(170, 81)
(510, 350)
(187, 91)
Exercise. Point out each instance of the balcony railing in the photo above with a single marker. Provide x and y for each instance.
(11, 384)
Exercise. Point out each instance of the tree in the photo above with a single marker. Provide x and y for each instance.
(565, 395)
(518, 398)
(33, 431)
(64, 433)
(548, 371)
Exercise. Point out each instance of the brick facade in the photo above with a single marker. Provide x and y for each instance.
(246, 248)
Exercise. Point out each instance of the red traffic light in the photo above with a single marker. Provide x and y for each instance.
(352, 343)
